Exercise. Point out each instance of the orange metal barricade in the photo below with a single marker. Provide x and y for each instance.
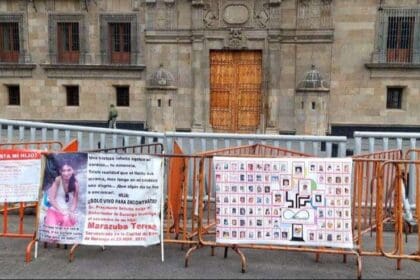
(206, 225)
(147, 149)
(206, 213)
(398, 252)
(180, 227)
(366, 208)
(8, 208)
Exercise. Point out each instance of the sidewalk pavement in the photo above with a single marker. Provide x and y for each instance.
(91, 262)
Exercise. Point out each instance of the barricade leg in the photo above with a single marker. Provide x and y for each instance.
(188, 254)
(72, 250)
(29, 250)
(242, 256)
(359, 265)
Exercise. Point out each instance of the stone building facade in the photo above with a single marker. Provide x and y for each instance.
(261, 66)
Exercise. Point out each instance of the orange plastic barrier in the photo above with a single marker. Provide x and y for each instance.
(177, 193)
(72, 146)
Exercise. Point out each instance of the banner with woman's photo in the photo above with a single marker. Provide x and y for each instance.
(101, 199)
(284, 201)
(19, 175)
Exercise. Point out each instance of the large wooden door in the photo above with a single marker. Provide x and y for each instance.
(235, 90)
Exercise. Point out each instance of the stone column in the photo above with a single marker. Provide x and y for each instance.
(273, 88)
(196, 71)
(198, 87)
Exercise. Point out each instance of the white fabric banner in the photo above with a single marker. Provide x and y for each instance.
(119, 200)
(20, 174)
(284, 201)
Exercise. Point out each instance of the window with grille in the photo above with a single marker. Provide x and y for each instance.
(394, 98)
(120, 42)
(9, 42)
(68, 42)
(400, 39)
(123, 96)
(14, 95)
(72, 93)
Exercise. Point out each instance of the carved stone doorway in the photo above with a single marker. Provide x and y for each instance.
(235, 91)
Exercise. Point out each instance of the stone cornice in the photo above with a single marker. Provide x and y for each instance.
(16, 70)
(162, 88)
(93, 71)
(297, 36)
(393, 66)
(312, 90)
(17, 66)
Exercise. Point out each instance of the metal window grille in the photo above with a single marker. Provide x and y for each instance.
(398, 36)
(400, 39)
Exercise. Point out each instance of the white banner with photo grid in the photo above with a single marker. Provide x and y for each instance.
(284, 201)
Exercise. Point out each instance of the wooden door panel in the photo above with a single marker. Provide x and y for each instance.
(249, 119)
(221, 119)
(249, 98)
(222, 79)
(235, 90)
(220, 99)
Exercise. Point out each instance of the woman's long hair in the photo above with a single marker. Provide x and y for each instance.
(72, 181)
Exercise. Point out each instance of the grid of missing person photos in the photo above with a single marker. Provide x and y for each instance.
(284, 201)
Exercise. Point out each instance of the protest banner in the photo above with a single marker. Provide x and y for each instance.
(19, 175)
(113, 199)
(284, 201)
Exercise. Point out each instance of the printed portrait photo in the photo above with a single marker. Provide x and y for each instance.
(63, 204)
(305, 187)
(286, 182)
(298, 169)
(278, 198)
(312, 167)
(283, 167)
(318, 199)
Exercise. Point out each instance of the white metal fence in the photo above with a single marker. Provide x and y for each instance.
(369, 142)
(191, 142)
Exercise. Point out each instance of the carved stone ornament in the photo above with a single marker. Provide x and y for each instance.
(262, 17)
(211, 14)
(236, 39)
(210, 19)
(236, 14)
(197, 3)
(161, 78)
